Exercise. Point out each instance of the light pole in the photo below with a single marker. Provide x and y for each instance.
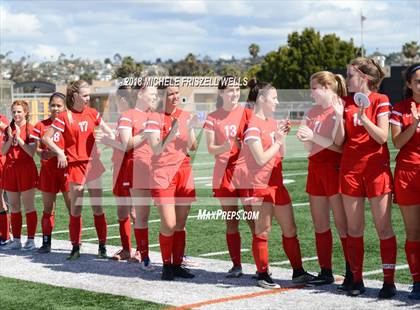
(362, 19)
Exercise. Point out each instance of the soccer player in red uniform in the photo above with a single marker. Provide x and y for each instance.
(120, 161)
(323, 169)
(224, 129)
(365, 172)
(264, 140)
(405, 126)
(131, 128)
(77, 126)
(4, 218)
(20, 175)
(51, 178)
(171, 137)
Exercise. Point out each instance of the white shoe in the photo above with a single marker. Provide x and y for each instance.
(14, 244)
(29, 245)
(146, 265)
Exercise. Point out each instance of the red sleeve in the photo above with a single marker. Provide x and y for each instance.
(125, 122)
(37, 131)
(209, 123)
(32, 137)
(98, 118)
(153, 123)
(396, 116)
(384, 107)
(60, 122)
(253, 132)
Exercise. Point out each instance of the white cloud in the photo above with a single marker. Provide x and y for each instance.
(252, 31)
(189, 7)
(18, 24)
(71, 36)
(46, 51)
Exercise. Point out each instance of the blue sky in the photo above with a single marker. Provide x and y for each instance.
(147, 30)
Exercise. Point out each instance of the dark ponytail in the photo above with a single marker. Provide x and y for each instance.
(408, 75)
(256, 89)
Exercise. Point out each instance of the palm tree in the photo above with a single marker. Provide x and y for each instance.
(410, 50)
(254, 49)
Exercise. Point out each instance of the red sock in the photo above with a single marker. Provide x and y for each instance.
(324, 249)
(260, 252)
(178, 247)
(142, 240)
(291, 247)
(125, 233)
(31, 223)
(16, 220)
(344, 246)
(4, 226)
(356, 252)
(389, 258)
(234, 247)
(47, 224)
(101, 227)
(75, 229)
(412, 251)
(166, 244)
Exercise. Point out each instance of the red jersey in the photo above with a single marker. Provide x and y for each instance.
(228, 125)
(79, 133)
(269, 174)
(5, 121)
(359, 147)
(135, 120)
(39, 131)
(409, 154)
(322, 122)
(16, 153)
(176, 150)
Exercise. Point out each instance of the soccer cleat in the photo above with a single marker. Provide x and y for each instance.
(3, 243)
(348, 280)
(265, 281)
(122, 255)
(182, 272)
(136, 258)
(188, 262)
(301, 277)
(29, 245)
(14, 244)
(46, 245)
(146, 265)
(255, 276)
(323, 278)
(75, 253)
(387, 291)
(167, 273)
(102, 251)
(235, 272)
(415, 291)
(356, 289)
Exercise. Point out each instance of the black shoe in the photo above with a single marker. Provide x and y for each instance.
(264, 280)
(301, 277)
(75, 253)
(323, 278)
(46, 245)
(415, 292)
(356, 289)
(182, 272)
(348, 280)
(167, 273)
(102, 251)
(387, 291)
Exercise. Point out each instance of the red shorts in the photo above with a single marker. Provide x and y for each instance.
(140, 174)
(121, 184)
(226, 188)
(277, 195)
(53, 180)
(407, 186)
(81, 172)
(371, 182)
(20, 176)
(323, 179)
(1, 173)
(180, 189)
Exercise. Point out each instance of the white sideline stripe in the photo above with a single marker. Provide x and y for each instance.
(378, 271)
(300, 204)
(111, 225)
(286, 262)
(220, 253)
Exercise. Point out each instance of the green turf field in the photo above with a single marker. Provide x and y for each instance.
(208, 236)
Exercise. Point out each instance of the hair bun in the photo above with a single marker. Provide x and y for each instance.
(252, 83)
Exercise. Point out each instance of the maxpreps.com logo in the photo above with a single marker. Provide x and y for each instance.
(204, 214)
